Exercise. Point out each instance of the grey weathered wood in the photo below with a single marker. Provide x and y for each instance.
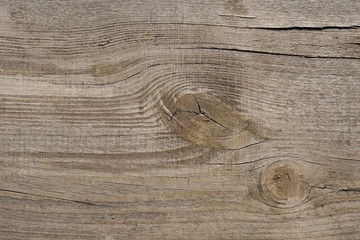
(179, 119)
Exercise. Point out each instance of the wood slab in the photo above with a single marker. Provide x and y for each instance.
(229, 119)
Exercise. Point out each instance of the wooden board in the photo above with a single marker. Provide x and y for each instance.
(179, 119)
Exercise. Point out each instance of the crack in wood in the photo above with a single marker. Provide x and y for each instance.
(269, 53)
(238, 16)
(204, 119)
(49, 197)
(337, 189)
(307, 28)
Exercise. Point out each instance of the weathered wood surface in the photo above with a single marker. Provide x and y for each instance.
(179, 119)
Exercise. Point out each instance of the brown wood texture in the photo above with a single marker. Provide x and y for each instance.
(179, 119)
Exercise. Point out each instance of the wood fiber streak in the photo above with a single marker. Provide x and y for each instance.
(231, 119)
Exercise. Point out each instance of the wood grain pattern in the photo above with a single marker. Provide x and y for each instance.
(179, 119)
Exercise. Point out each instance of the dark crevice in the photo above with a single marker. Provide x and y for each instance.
(198, 104)
(299, 28)
(199, 112)
(269, 53)
(177, 122)
(104, 44)
(337, 189)
(349, 190)
(244, 163)
(214, 121)
(238, 16)
(345, 159)
(286, 28)
(43, 196)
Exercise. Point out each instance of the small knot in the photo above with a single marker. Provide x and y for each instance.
(281, 186)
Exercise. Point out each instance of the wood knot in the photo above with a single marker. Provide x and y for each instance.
(206, 120)
(281, 186)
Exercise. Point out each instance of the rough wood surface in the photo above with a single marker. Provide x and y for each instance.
(179, 119)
